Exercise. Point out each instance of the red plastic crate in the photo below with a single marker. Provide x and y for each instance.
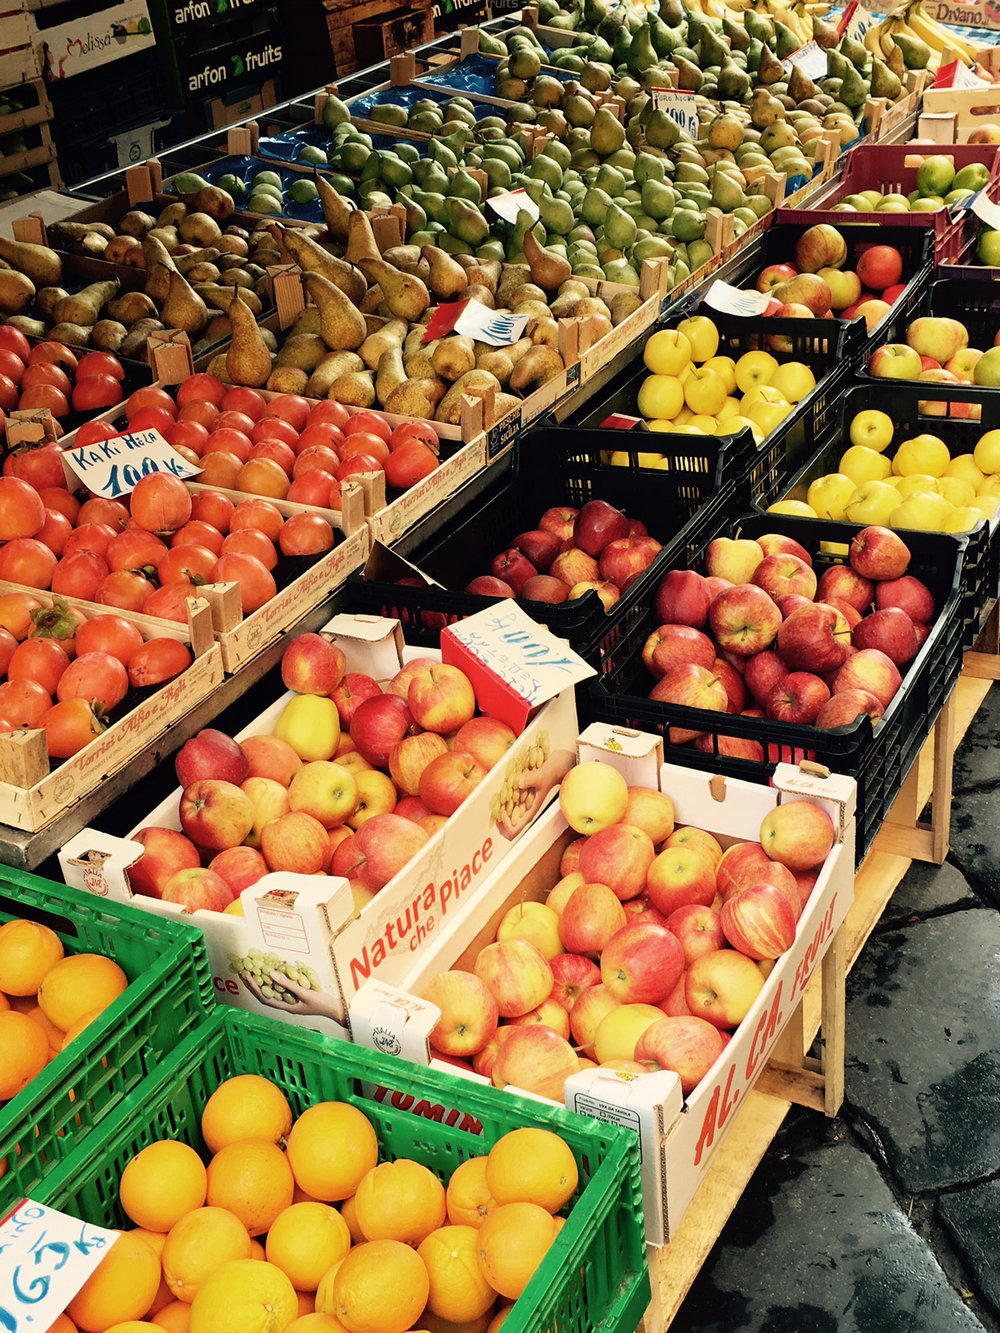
(883, 167)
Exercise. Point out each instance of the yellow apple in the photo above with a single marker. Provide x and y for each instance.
(667, 352)
(923, 453)
(532, 921)
(862, 464)
(754, 368)
(704, 392)
(706, 424)
(797, 508)
(592, 796)
(914, 483)
(660, 396)
(794, 380)
(986, 504)
(964, 466)
(987, 452)
(760, 393)
(618, 1031)
(872, 503)
(703, 336)
(958, 491)
(725, 368)
(924, 510)
(872, 428)
(963, 518)
(989, 485)
(769, 415)
(730, 408)
(828, 495)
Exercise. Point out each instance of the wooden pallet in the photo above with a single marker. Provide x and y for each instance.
(904, 837)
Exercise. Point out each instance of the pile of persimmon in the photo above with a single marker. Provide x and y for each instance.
(67, 673)
(49, 374)
(283, 448)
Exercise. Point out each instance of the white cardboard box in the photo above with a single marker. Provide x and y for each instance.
(678, 1138)
(380, 941)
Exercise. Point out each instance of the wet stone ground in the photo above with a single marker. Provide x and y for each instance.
(888, 1217)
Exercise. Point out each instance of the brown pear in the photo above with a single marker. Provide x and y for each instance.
(312, 258)
(548, 269)
(84, 307)
(336, 209)
(447, 279)
(390, 335)
(184, 308)
(535, 368)
(453, 357)
(450, 407)
(39, 263)
(248, 360)
(107, 335)
(159, 266)
(405, 296)
(415, 398)
(342, 325)
(355, 389)
(17, 292)
(303, 350)
(329, 369)
(390, 374)
(360, 239)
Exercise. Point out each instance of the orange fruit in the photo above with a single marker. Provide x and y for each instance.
(307, 1302)
(468, 1196)
(316, 1323)
(63, 1324)
(25, 1052)
(257, 1249)
(76, 1028)
(349, 1212)
(122, 1287)
(4, 1002)
(244, 1296)
(400, 1200)
(513, 1241)
(431, 1323)
(331, 1147)
(305, 1240)
(245, 1107)
(532, 1166)
(162, 1183)
(27, 951)
(381, 1287)
(53, 1035)
(252, 1179)
(78, 984)
(199, 1243)
(458, 1289)
(175, 1317)
(499, 1319)
(133, 1326)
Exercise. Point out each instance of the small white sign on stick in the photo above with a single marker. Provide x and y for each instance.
(114, 467)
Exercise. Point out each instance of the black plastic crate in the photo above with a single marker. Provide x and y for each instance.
(683, 508)
(981, 566)
(915, 244)
(973, 301)
(831, 348)
(879, 757)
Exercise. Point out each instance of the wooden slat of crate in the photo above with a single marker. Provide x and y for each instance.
(340, 20)
(34, 157)
(18, 55)
(32, 115)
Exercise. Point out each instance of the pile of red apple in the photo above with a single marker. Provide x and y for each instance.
(818, 283)
(646, 954)
(65, 672)
(571, 552)
(282, 446)
(149, 551)
(760, 634)
(937, 349)
(50, 375)
(353, 781)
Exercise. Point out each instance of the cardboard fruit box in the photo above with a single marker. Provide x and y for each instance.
(678, 1136)
(311, 920)
(879, 757)
(35, 790)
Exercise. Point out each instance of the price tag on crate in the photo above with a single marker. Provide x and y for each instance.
(113, 468)
(513, 202)
(811, 60)
(477, 321)
(45, 1258)
(855, 21)
(732, 300)
(678, 104)
(957, 75)
(987, 210)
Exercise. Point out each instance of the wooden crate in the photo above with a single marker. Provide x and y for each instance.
(390, 34)
(32, 797)
(44, 154)
(340, 21)
(32, 115)
(18, 52)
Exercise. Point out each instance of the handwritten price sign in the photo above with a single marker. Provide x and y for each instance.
(115, 467)
(45, 1258)
(678, 104)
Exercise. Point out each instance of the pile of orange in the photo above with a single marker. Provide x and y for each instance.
(296, 1227)
(46, 998)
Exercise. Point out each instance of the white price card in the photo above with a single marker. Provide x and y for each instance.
(679, 105)
(115, 467)
(987, 210)
(513, 202)
(957, 75)
(45, 1258)
(811, 60)
(499, 328)
(519, 651)
(856, 21)
(735, 300)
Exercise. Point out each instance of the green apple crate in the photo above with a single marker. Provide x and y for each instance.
(168, 996)
(594, 1279)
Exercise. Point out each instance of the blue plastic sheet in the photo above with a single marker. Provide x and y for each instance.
(287, 146)
(477, 74)
(245, 168)
(406, 97)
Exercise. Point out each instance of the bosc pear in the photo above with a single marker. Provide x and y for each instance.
(248, 360)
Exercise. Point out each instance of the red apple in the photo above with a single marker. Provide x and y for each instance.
(352, 692)
(814, 638)
(575, 566)
(845, 707)
(650, 810)
(746, 863)
(165, 852)
(641, 963)
(891, 631)
(572, 973)
(441, 698)
(485, 585)
(544, 588)
(512, 568)
(871, 670)
(682, 598)
(485, 738)
(239, 867)
(879, 553)
(909, 594)
(744, 619)
(681, 875)
(797, 834)
(591, 1006)
(722, 986)
(618, 856)
(517, 974)
(535, 1059)
(609, 593)
(448, 780)
(378, 724)
(216, 814)
(271, 757)
(844, 583)
(689, 1046)
(468, 1012)
(211, 754)
(409, 758)
(674, 645)
(625, 557)
(296, 842)
(312, 665)
(694, 687)
(785, 573)
(559, 520)
(779, 543)
(797, 698)
(198, 889)
(763, 671)
(387, 842)
(759, 921)
(539, 546)
(773, 275)
(591, 916)
(698, 928)
(597, 524)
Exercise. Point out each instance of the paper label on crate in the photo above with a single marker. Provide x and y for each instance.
(678, 104)
(499, 328)
(957, 75)
(811, 60)
(45, 1258)
(732, 300)
(115, 467)
(855, 21)
(521, 652)
(509, 204)
(987, 210)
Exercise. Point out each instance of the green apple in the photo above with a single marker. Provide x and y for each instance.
(988, 247)
(926, 204)
(956, 196)
(935, 174)
(987, 369)
(973, 177)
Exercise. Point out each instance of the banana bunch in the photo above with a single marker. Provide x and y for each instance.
(917, 30)
(795, 17)
(879, 37)
(938, 38)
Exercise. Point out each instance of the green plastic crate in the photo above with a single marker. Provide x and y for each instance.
(595, 1277)
(169, 994)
